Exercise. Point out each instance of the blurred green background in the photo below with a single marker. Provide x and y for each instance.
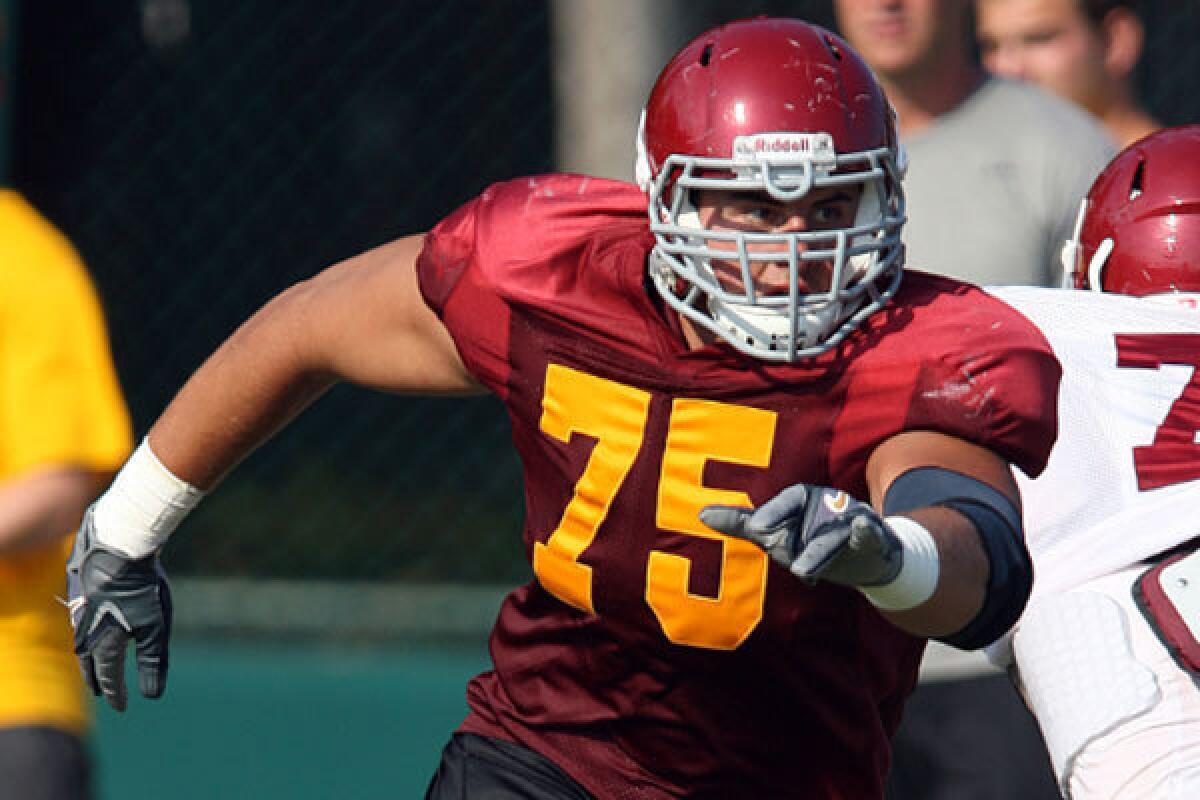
(303, 721)
(300, 689)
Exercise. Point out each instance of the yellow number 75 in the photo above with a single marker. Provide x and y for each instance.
(699, 431)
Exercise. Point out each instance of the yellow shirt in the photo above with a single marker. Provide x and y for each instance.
(60, 404)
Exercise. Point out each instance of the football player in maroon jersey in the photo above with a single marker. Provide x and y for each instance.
(665, 374)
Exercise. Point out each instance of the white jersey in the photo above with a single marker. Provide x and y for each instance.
(1123, 480)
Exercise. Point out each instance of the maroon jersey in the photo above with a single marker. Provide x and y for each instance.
(653, 657)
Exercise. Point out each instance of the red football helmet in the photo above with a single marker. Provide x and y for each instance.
(774, 106)
(1139, 228)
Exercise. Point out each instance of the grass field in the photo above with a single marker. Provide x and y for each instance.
(296, 721)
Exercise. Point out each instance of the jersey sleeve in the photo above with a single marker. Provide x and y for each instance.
(455, 285)
(996, 385)
(60, 401)
(959, 363)
(524, 248)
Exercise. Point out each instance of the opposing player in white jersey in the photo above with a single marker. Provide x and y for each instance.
(1106, 653)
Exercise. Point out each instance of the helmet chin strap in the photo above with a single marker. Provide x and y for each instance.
(1096, 265)
(1069, 256)
(771, 328)
(643, 175)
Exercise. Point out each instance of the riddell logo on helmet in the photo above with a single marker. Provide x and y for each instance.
(784, 147)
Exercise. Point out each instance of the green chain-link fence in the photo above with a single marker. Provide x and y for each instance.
(204, 154)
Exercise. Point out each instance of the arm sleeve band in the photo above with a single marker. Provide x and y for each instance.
(997, 520)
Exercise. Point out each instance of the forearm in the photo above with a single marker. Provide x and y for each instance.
(256, 382)
(42, 506)
(362, 321)
(962, 577)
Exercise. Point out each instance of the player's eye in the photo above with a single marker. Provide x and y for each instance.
(758, 214)
(763, 214)
(828, 214)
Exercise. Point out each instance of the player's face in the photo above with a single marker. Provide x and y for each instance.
(1047, 42)
(896, 36)
(821, 209)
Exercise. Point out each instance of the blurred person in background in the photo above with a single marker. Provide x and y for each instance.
(996, 167)
(1106, 653)
(1082, 50)
(64, 431)
(670, 355)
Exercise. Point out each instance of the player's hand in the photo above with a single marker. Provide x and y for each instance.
(112, 600)
(818, 534)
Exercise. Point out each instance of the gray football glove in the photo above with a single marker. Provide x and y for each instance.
(818, 534)
(113, 599)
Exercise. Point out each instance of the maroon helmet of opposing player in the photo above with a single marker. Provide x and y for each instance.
(781, 107)
(1138, 231)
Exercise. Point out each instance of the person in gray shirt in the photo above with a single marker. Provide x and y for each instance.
(997, 168)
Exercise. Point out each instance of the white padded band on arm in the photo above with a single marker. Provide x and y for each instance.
(144, 505)
(919, 570)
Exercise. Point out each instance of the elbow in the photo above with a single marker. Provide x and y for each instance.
(999, 547)
(1009, 583)
(284, 335)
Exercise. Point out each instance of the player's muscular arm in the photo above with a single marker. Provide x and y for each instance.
(362, 321)
(964, 566)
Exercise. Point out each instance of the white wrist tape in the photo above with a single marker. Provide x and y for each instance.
(143, 506)
(920, 567)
